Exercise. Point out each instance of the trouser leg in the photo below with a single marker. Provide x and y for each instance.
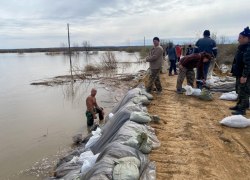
(190, 77)
(206, 66)
(181, 77)
(244, 95)
(99, 111)
(158, 82)
(90, 118)
(154, 78)
(211, 67)
(171, 67)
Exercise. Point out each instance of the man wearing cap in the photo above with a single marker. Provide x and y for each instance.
(241, 70)
(155, 60)
(206, 44)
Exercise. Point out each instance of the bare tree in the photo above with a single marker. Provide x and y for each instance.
(86, 47)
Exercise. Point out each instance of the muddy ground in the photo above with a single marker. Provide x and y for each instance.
(193, 143)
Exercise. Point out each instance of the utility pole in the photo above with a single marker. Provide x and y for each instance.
(70, 55)
(144, 42)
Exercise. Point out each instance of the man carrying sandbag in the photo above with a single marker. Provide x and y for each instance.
(93, 109)
(241, 70)
(186, 69)
(155, 60)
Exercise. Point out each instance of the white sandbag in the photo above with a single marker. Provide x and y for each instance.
(74, 160)
(85, 156)
(88, 164)
(192, 91)
(96, 136)
(189, 90)
(230, 96)
(196, 92)
(140, 117)
(111, 115)
(235, 121)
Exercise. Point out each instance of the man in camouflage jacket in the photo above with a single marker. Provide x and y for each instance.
(241, 70)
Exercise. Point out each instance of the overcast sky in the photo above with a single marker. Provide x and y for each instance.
(43, 23)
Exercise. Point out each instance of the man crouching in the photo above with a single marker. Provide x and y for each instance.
(93, 109)
(186, 68)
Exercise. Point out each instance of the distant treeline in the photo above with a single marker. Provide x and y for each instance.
(64, 49)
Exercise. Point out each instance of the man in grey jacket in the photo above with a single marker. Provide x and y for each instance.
(155, 60)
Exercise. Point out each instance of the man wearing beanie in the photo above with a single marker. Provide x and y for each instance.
(241, 70)
(155, 60)
(208, 45)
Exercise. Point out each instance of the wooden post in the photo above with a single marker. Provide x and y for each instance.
(144, 42)
(70, 55)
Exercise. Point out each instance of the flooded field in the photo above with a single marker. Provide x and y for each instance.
(38, 122)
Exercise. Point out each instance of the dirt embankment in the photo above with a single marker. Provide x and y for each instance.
(193, 143)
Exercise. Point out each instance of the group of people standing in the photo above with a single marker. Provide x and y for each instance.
(202, 57)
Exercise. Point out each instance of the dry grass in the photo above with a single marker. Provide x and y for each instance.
(226, 53)
(108, 61)
(91, 67)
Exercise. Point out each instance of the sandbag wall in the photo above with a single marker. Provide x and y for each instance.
(118, 150)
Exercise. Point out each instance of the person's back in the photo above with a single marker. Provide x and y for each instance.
(206, 44)
(171, 53)
(172, 56)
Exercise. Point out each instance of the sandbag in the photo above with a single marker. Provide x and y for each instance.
(140, 142)
(128, 96)
(149, 172)
(230, 96)
(235, 121)
(129, 159)
(145, 143)
(65, 168)
(225, 84)
(192, 91)
(72, 175)
(110, 129)
(130, 130)
(126, 171)
(140, 117)
(141, 99)
(96, 136)
(105, 163)
(206, 95)
(149, 96)
(88, 163)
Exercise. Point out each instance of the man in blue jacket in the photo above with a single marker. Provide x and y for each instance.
(241, 70)
(208, 45)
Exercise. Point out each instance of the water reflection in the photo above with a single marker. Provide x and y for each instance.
(28, 112)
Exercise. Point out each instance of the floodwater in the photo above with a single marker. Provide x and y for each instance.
(37, 122)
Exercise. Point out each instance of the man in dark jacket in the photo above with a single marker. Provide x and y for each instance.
(155, 60)
(206, 44)
(241, 70)
(186, 68)
(172, 56)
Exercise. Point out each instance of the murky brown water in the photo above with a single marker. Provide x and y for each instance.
(36, 122)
